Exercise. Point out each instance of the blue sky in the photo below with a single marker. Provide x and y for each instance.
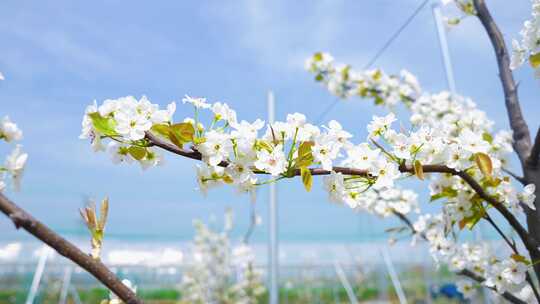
(58, 56)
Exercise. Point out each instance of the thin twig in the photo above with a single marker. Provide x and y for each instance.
(24, 220)
(515, 250)
(520, 179)
(530, 243)
(465, 272)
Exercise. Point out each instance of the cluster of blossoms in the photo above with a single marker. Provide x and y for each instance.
(503, 275)
(125, 121)
(383, 202)
(220, 273)
(529, 46)
(447, 129)
(15, 162)
(344, 82)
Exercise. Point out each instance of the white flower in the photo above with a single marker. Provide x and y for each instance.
(273, 162)
(109, 106)
(386, 172)
(496, 280)
(199, 103)
(15, 163)
(131, 123)
(325, 151)
(164, 116)
(361, 157)
(466, 287)
(401, 145)
(9, 130)
(528, 197)
(208, 177)
(379, 125)
(239, 170)
(216, 148)
(119, 153)
(296, 120)
(2, 76)
(335, 130)
(222, 111)
(515, 272)
(151, 159)
(334, 185)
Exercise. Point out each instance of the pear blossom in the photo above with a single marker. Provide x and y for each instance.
(163, 116)
(119, 153)
(222, 111)
(379, 125)
(9, 130)
(296, 120)
(514, 272)
(466, 287)
(334, 185)
(528, 196)
(273, 162)
(131, 123)
(15, 164)
(216, 148)
(199, 103)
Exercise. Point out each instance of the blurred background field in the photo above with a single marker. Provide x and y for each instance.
(313, 279)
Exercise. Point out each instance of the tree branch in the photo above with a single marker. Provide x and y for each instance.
(522, 138)
(508, 296)
(520, 179)
(465, 272)
(513, 246)
(24, 220)
(534, 157)
(530, 243)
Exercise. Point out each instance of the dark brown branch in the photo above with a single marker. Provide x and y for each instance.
(534, 157)
(24, 220)
(508, 296)
(465, 272)
(522, 138)
(530, 243)
(513, 246)
(520, 179)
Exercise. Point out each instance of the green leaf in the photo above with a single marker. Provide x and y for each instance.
(483, 161)
(317, 56)
(520, 258)
(446, 192)
(345, 72)
(307, 178)
(181, 133)
(487, 137)
(305, 157)
(418, 170)
(161, 129)
(263, 145)
(104, 125)
(534, 60)
(137, 152)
